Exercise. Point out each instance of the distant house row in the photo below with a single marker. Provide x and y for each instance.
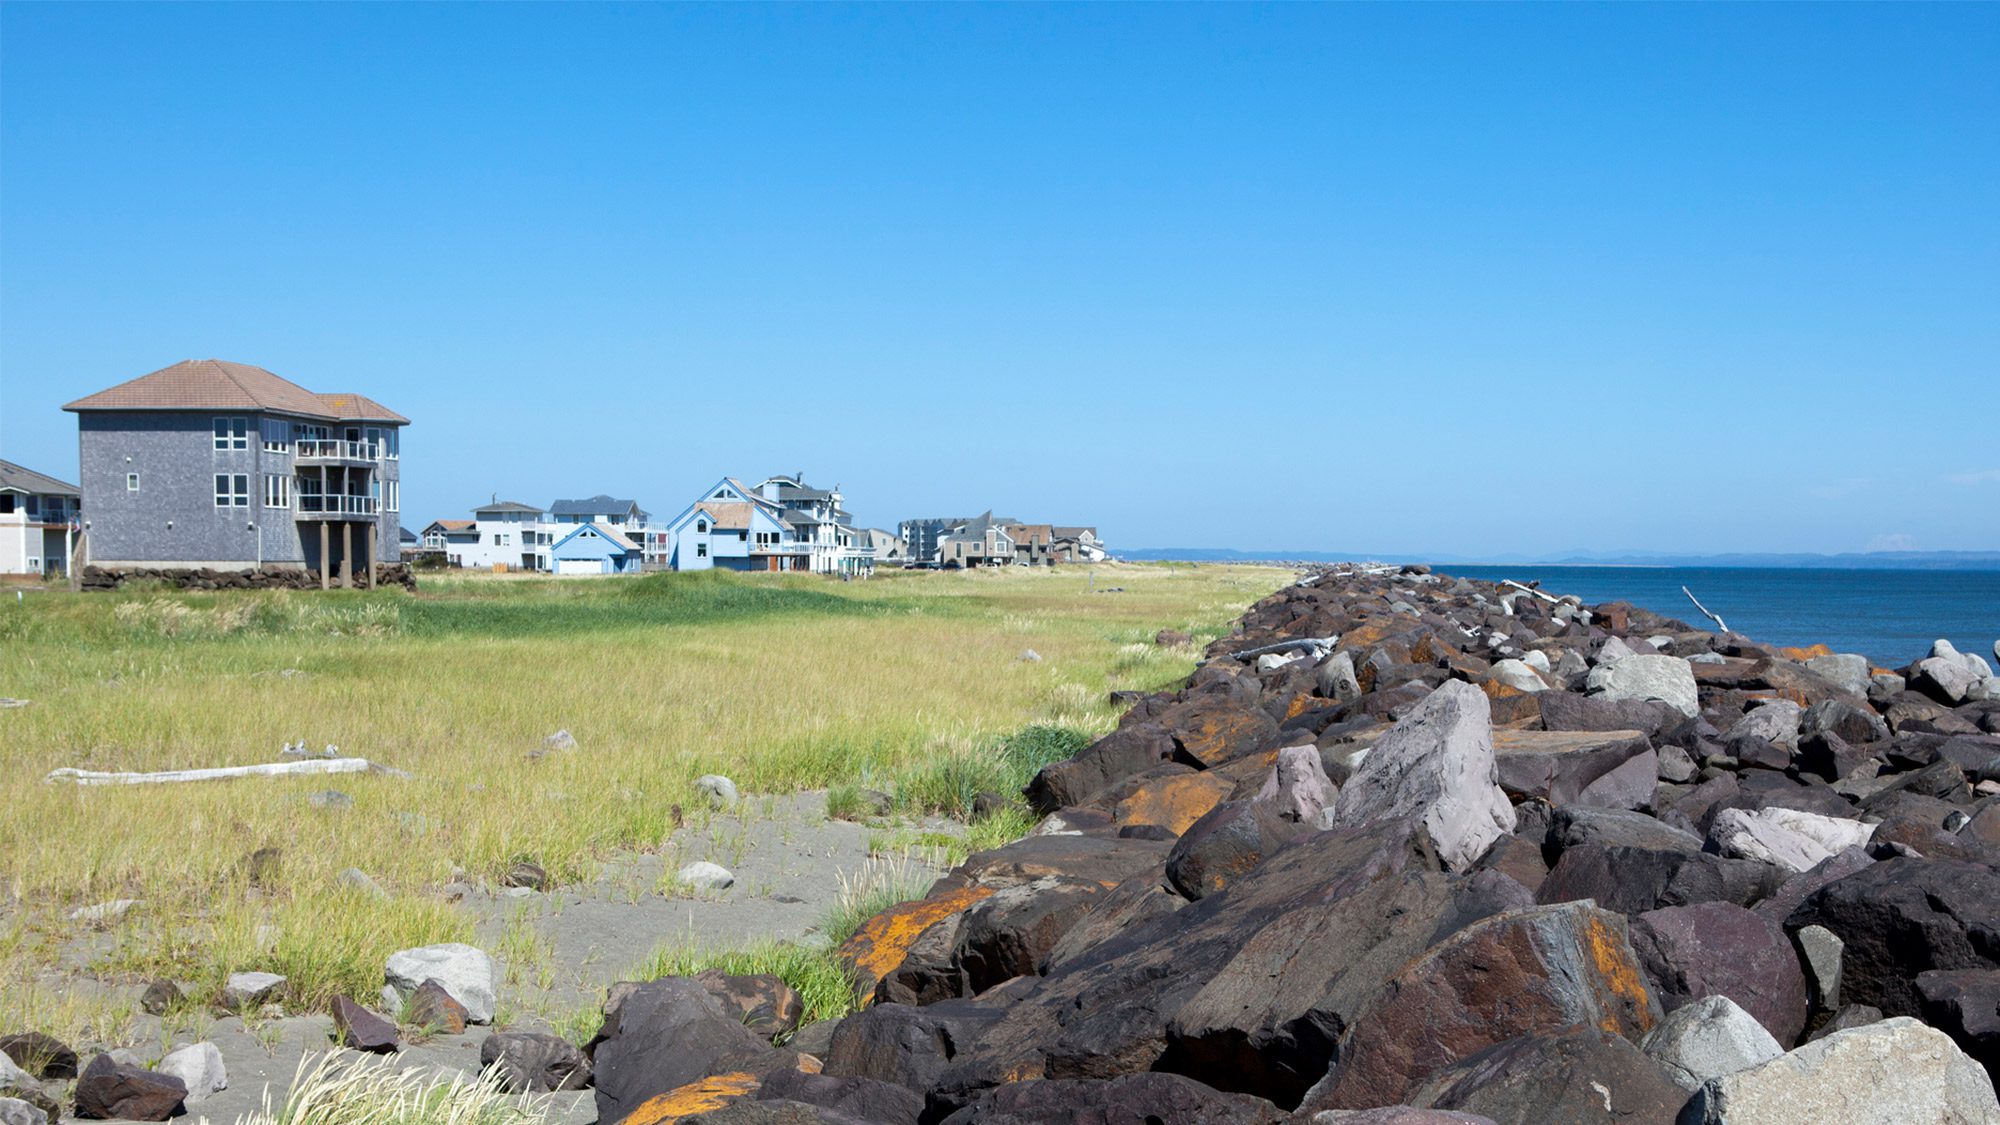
(781, 524)
(988, 540)
(209, 463)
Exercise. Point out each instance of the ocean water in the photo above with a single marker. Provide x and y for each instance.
(1889, 616)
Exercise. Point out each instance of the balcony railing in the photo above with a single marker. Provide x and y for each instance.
(337, 506)
(319, 449)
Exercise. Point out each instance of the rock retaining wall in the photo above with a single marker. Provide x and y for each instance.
(209, 578)
(1419, 850)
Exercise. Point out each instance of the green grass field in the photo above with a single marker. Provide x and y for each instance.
(912, 683)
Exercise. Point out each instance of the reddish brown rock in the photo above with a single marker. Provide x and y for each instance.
(1721, 949)
(1522, 973)
(359, 1029)
(434, 1009)
(109, 1089)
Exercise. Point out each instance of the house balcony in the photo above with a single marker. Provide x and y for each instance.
(336, 507)
(317, 451)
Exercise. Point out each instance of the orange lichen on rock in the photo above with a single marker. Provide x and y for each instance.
(1612, 956)
(1300, 704)
(879, 946)
(1176, 802)
(1213, 735)
(712, 1092)
(1807, 653)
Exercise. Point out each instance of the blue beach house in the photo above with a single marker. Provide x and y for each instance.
(595, 548)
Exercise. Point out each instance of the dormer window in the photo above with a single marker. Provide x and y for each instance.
(701, 527)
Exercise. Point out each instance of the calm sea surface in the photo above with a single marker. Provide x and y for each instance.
(1890, 616)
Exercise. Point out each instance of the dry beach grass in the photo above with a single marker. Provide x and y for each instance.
(912, 684)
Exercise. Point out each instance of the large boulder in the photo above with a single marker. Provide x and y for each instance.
(1707, 1039)
(906, 1046)
(1208, 731)
(1636, 879)
(1946, 679)
(200, 1068)
(1298, 788)
(1118, 755)
(1567, 711)
(1576, 1074)
(1657, 679)
(1435, 767)
(534, 1062)
(852, 1097)
(663, 1035)
(1246, 990)
(1896, 1072)
(1854, 722)
(1011, 933)
(1776, 722)
(1721, 949)
(112, 1090)
(1224, 845)
(1965, 1004)
(1599, 769)
(1789, 838)
(1522, 973)
(1902, 917)
(462, 970)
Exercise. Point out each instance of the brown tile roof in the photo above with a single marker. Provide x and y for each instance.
(453, 525)
(358, 408)
(214, 384)
(726, 515)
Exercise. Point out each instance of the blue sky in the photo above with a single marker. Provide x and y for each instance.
(1371, 278)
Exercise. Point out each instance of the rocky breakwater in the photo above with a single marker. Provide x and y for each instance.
(1412, 849)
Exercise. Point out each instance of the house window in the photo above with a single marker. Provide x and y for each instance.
(34, 564)
(277, 491)
(374, 439)
(701, 526)
(232, 433)
(701, 550)
(394, 490)
(131, 482)
(232, 490)
(742, 536)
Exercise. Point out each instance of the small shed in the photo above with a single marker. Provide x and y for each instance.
(594, 548)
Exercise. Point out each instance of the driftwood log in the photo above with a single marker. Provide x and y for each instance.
(219, 773)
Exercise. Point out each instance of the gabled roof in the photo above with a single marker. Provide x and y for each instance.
(598, 505)
(215, 384)
(1073, 532)
(448, 527)
(610, 534)
(14, 478)
(500, 506)
(726, 515)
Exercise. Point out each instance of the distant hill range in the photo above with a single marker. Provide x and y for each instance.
(1857, 560)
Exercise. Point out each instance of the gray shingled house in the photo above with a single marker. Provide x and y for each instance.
(216, 464)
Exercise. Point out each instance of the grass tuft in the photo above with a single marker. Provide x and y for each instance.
(340, 1088)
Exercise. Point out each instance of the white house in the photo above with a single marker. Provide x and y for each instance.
(36, 517)
(510, 534)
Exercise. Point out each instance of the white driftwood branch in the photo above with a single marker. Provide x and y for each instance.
(1531, 590)
(1704, 609)
(1322, 644)
(218, 773)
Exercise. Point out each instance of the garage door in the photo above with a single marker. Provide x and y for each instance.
(579, 566)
